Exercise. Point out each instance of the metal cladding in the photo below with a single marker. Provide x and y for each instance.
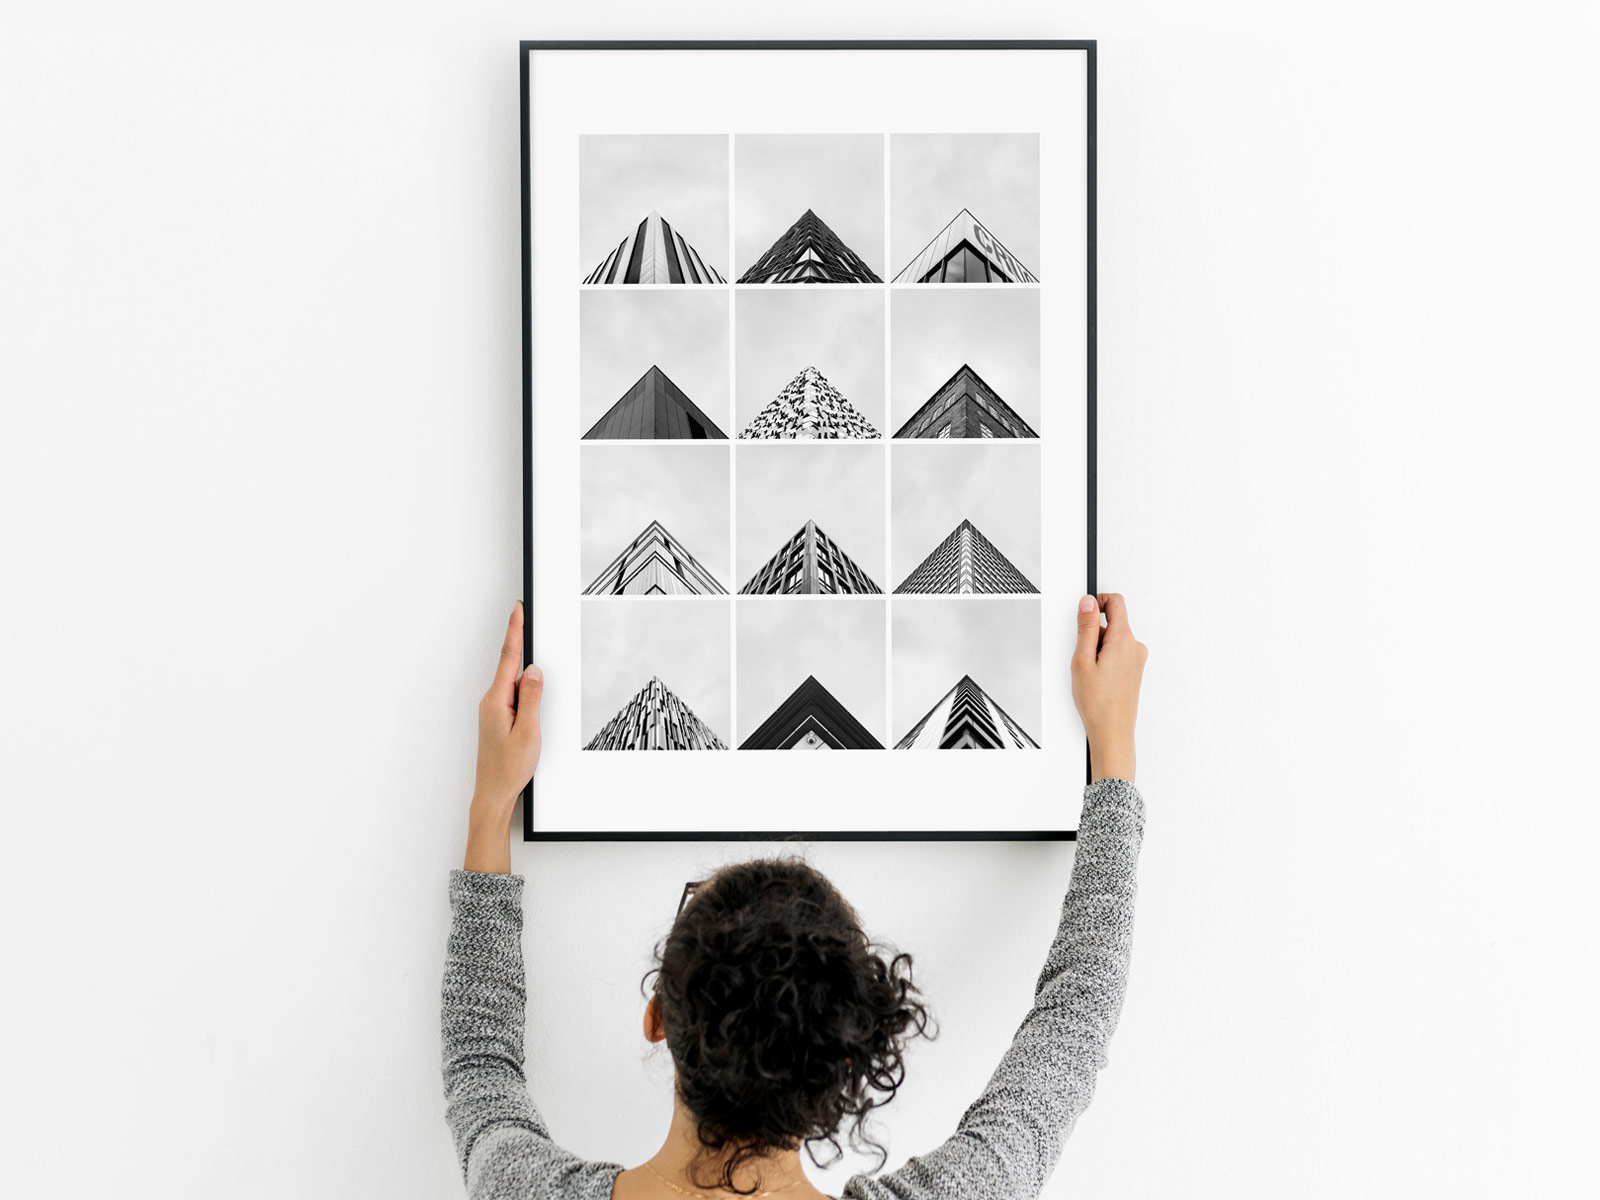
(809, 252)
(655, 252)
(809, 408)
(655, 564)
(966, 562)
(965, 407)
(655, 407)
(964, 251)
(656, 719)
(966, 718)
(811, 719)
(810, 563)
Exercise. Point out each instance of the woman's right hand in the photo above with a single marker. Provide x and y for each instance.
(1106, 668)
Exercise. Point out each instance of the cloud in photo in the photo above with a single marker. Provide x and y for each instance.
(782, 485)
(782, 639)
(993, 330)
(682, 485)
(937, 485)
(995, 640)
(782, 330)
(933, 176)
(623, 177)
(685, 643)
(837, 176)
(623, 332)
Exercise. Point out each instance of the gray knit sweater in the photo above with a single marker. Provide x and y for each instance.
(1006, 1143)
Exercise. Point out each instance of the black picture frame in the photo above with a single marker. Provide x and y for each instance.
(525, 48)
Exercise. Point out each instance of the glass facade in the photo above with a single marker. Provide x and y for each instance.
(655, 252)
(966, 562)
(809, 408)
(802, 565)
(966, 718)
(965, 407)
(964, 251)
(809, 252)
(655, 407)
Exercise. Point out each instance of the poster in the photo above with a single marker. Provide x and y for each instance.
(808, 458)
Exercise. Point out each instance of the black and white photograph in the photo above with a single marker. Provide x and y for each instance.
(809, 364)
(964, 518)
(653, 208)
(967, 674)
(964, 207)
(654, 520)
(964, 363)
(810, 520)
(656, 676)
(654, 364)
(812, 673)
(808, 208)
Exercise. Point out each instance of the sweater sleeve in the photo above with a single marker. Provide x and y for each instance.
(502, 1142)
(1007, 1142)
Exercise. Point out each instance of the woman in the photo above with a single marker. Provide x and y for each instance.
(782, 1019)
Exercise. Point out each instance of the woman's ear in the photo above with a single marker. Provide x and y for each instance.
(655, 1029)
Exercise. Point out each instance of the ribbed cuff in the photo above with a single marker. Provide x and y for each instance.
(482, 883)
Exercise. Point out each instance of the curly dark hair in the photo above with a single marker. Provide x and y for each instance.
(784, 1021)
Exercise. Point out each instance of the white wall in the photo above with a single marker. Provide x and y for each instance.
(259, 477)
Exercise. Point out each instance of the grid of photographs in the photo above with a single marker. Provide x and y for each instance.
(809, 477)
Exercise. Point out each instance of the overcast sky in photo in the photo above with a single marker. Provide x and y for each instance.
(782, 639)
(995, 331)
(780, 331)
(933, 176)
(781, 485)
(684, 642)
(838, 176)
(995, 640)
(684, 485)
(622, 178)
(934, 485)
(623, 332)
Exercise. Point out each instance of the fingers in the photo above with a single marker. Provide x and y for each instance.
(530, 690)
(1088, 629)
(503, 690)
(1116, 611)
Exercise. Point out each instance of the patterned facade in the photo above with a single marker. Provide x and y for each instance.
(966, 718)
(966, 562)
(809, 252)
(810, 563)
(966, 407)
(811, 719)
(655, 252)
(655, 407)
(964, 251)
(655, 564)
(656, 719)
(809, 408)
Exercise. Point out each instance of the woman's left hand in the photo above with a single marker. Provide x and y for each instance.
(508, 752)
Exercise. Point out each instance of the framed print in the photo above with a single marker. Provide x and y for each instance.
(808, 435)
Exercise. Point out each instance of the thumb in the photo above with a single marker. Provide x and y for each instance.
(530, 690)
(1088, 629)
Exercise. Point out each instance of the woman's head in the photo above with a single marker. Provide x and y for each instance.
(783, 1020)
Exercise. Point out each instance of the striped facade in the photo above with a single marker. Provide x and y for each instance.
(655, 252)
(811, 718)
(966, 718)
(655, 719)
(655, 564)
